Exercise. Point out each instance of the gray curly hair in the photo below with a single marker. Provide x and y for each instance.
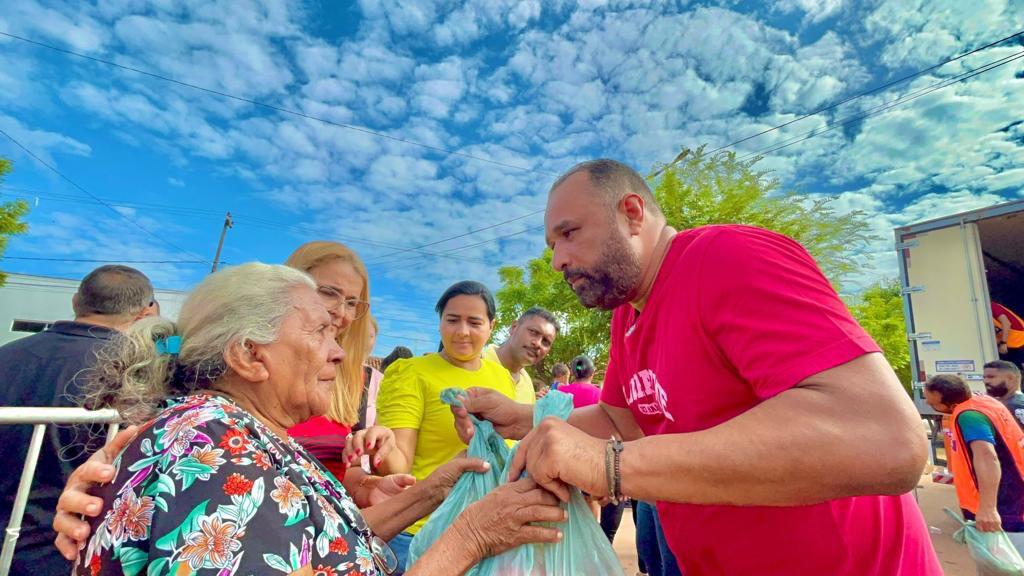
(236, 306)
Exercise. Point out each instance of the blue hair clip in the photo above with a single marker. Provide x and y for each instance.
(170, 345)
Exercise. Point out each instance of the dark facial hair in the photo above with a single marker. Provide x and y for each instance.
(613, 280)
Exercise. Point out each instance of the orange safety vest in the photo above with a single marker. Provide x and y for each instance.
(964, 479)
(1016, 337)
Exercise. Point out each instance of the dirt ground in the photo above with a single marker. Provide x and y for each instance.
(931, 497)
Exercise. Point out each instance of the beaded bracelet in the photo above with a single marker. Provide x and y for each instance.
(613, 468)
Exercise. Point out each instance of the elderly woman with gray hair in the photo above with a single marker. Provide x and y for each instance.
(212, 484)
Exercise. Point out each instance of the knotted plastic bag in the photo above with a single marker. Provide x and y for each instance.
(584, 549)
(993, 552)
(486, 445)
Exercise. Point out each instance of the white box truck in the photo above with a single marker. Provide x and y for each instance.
(951, 270)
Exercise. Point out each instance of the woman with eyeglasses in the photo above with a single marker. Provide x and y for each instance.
(410, 404)
(344, 435)
(211, 483)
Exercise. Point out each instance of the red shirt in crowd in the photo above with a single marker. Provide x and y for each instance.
(1016, 323)
(737, 315)
(324, 439)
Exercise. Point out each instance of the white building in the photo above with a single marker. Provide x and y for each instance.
(29, 304)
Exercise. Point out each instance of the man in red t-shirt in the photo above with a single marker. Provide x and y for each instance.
(756, 412)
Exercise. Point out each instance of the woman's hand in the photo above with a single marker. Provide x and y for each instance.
(377, 442)
(504, 519)
(383, 487)
(441, 481)
(75, 501)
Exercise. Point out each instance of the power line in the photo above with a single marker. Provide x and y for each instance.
(94, 197)
(276, 108)
(273, 225)
(471, 232)
(448, 253)
(868, 92)
(404, 337)
(101, 261)
(880, 109)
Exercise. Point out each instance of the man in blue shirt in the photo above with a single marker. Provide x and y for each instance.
(1002, 382)
(49, 369)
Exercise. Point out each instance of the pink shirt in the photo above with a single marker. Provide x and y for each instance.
(737, 315)
(583, 393)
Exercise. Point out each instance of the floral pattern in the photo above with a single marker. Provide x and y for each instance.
(207, 489)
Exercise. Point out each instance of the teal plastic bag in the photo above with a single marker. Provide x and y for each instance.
(486, 445)
(993, 552)
(584, 549)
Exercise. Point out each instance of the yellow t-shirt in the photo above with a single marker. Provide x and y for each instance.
(410, 397)
(525, 394)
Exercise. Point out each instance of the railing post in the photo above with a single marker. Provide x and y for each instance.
(21, 499)
(39, 417)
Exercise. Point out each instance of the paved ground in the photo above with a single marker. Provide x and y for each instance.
(932, 498)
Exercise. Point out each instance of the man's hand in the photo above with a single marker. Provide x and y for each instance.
(557, 455)
(75, 501)
(1003, 349)
(511, 420)
(988, 520)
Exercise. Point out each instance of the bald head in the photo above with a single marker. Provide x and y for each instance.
(614, 181)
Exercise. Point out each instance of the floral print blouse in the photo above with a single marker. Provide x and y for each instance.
(205, 488)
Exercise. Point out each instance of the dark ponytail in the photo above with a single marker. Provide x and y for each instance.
(582, 368)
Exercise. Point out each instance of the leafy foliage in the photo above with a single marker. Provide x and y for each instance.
(11, 215)
(879, 309)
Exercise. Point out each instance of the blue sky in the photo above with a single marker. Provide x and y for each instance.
(483, 103)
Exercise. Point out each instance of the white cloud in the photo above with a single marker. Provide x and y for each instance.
(814, 10)
(69, 25)
(86, 234)
(175, 182)
(921, 33)
(42, 143)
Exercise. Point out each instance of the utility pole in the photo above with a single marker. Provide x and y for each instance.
(223, 233)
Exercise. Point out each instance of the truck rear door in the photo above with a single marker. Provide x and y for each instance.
(947, 299)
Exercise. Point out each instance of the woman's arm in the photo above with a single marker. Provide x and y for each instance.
(400, 461)
(400, 511)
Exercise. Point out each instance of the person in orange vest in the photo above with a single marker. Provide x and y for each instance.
(986, 456)
(1009, 333)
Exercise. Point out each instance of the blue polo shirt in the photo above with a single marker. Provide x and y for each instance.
(45, 369)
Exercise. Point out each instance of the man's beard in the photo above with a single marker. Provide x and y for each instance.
(997, 391)
(613, 281)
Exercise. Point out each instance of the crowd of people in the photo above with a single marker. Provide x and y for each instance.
(737, 393)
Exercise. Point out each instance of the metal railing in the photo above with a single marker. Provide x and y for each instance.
(39, 418)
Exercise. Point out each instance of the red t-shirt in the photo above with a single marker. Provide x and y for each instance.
(1015, 321)
(583, 393)
(324, 439)
(737, 315)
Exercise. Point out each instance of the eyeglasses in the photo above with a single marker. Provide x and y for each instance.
(354, 308)
(383, 556)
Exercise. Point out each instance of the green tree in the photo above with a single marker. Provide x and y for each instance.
(879, 309)
(11, 214)
(694, 190)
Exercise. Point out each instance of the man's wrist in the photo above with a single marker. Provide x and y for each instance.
(524, 421)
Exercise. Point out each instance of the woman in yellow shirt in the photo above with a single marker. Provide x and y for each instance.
(410, 404)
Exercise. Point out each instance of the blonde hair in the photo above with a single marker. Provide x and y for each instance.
(348, 389)
(233, 307)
